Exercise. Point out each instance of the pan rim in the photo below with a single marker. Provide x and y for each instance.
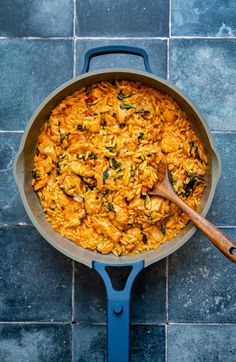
(89, 255)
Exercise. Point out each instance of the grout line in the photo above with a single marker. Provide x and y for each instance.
(73, 292)
(117, 37)
(74, 38)
(166, 343)
(203, 37)
(34, 322)
(104, 324)
(36, 38)
(122, 37)
(168, 60)
(226, 131)
(201, 324)
(3, 131)
(167, 289)
(170, 10)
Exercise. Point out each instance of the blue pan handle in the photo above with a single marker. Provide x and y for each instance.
(118, 311)
(110, 49)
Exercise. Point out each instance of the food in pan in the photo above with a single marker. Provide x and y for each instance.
(96, 162)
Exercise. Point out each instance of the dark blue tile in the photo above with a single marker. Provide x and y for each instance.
(201, 283)
(11, 207)
(204, 69)
(223, 209)
(156, 49)
(35, 279)
(148, 295)
(36, 18)
(123, 18)
(30, 70)
(35, 343)
(203, 18)
(147, 343)
(201, 343)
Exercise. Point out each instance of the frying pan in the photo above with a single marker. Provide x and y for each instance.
(118, 301)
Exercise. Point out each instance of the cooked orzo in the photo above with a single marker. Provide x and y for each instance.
(96, 162)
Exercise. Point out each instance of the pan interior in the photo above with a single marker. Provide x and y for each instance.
(24, 165)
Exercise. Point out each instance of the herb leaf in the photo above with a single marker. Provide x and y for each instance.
(105, 175)
(196, 154)
(126, 106)
(140, 136)
(144, 111)
(121, 96)
(144, 237)
(115, 163)
(80, 128)
(35, 174)
(162, 229)
(172, 180)
(110, 207)
(191, 146)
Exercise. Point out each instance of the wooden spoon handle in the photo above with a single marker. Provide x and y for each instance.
(221, 241)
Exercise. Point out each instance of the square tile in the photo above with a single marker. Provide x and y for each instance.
(35, 343)
(148, 302)
(35, 279)
(30, 70)
(201, 283)
(201, 343)
(11, 207)
(203, 18)
(204, 69)
(122, 18)
(36, 18)
(147, 343)
(223, 209)
(156, 49)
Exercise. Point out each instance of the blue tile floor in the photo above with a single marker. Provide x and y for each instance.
(53, 309)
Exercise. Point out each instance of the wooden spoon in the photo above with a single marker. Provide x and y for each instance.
(164, 189)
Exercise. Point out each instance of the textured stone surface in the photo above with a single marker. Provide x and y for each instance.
(30, 70)
(203, 18)
(156, 49)
(35, 279)
(35, 343)
(223, 209)
(201, 343)
(11, 207)
(111, 18)
(204, 69)
(201, 283)
(147, 343)
(36, 18)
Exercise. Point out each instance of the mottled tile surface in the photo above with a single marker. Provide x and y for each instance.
(11, 207)
(35, 279)
(36, 18)
(35, 343)
(203, 18)
(125, 18)
(201, 283)
(147, 343)
(148, 290)
(156, 49)
(201, 343)
(205, 71)
(30, 70)
(223, 209)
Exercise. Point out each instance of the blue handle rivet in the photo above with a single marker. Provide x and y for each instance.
(117, 309)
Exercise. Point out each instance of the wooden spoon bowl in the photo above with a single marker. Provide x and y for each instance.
(164, 189)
